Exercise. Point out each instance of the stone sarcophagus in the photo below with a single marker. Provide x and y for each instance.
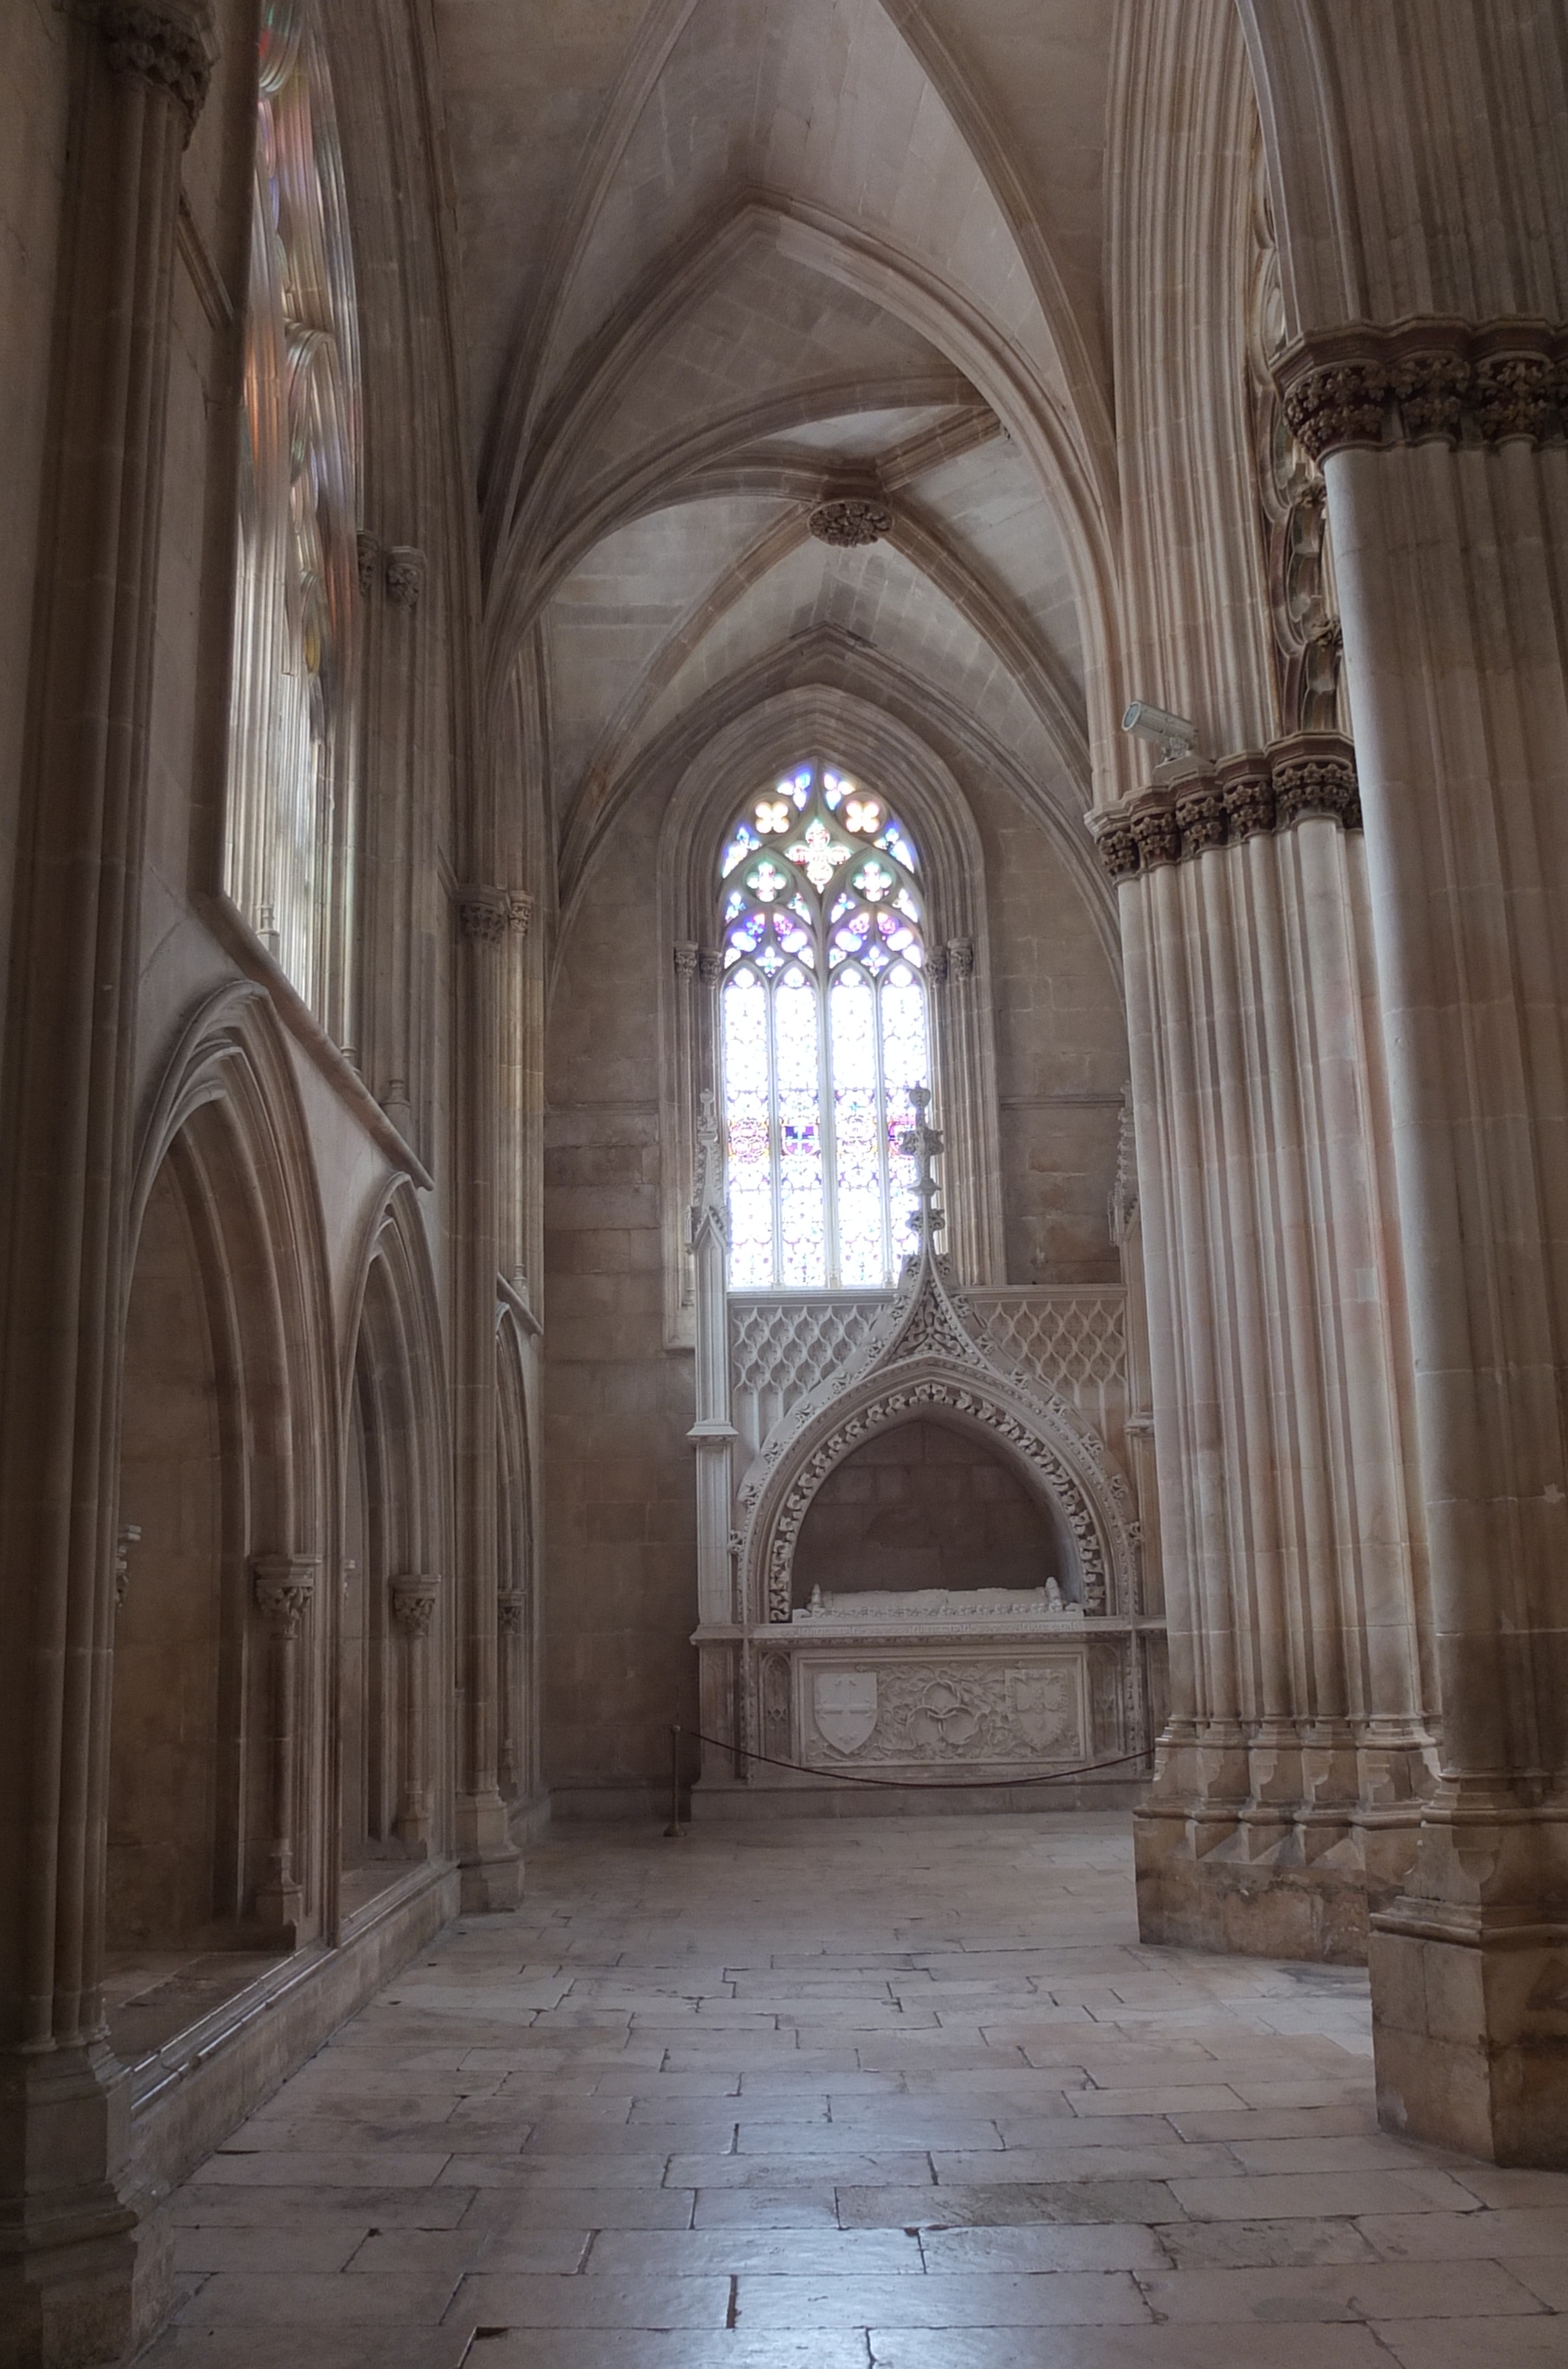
(918, 1544)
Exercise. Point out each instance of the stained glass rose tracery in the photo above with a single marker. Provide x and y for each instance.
(823, 1034)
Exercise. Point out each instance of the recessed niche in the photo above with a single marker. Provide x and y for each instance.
(924, 1504)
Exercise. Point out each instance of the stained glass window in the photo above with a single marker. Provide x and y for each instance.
(823, 1034)
(290, 825)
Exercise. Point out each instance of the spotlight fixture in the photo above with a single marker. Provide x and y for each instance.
(1176, 736)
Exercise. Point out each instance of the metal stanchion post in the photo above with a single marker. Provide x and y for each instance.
(675, 1831)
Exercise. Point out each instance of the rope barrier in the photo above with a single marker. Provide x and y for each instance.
(920, 1784)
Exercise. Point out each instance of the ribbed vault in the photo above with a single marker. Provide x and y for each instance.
(720, 256)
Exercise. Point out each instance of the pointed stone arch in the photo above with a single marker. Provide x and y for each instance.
(223, 1144)
(395, 1650)
(1041, 1437)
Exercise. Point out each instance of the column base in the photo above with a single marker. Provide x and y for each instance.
(489, 1887)
(1471, 2039)
(489, 1863)
(1253, 1892)
(83, 2276)
(278, 1913)
(1278, 1842)
(75, 2306)
(1470, 1995)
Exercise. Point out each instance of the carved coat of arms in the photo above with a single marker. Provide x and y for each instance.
(843, 1706)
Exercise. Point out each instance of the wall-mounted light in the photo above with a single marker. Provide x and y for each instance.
(1176, 736)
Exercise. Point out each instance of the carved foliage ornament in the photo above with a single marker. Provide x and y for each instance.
(1313, 774)
(1444, 380)
(167, 44)
(414, 1606)
(285, 1589)
(485, 915)
(847, 522)
(405, 576)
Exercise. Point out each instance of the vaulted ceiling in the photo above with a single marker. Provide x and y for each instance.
(721, 255)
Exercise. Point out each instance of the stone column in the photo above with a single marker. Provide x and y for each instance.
(487, 1854)
(517, 1036)
(1447, 483)
(510, 1604)
(79, 2279)
(285, 1589)
(1286, 1780)
(413, 1610)
(713, 1435)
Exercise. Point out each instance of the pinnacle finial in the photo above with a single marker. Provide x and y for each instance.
(922, 1142)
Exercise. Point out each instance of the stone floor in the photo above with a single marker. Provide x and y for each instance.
(881, 2095)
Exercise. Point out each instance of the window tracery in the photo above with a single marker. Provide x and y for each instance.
(289, 819)
(824, 1034)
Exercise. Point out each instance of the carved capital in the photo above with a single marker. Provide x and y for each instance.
(483, 915)
(1200, 817)
(1315, 784)
(685, 958)
(710, 965)
(960, 959)
(520, 913)
(405, 576)
(1254, 792)
(166, 44)
(284, 1587)
(1249, 803)
(937, 966)
(367, 559)
(1429, 387)
(1155, 831)
(1450, 380)
(414, 1604)
(508, 1611)
(1337, 404)
(1514, 395)
(1117, 848)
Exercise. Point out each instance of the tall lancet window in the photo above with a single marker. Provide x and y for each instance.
(289, 808)
(824, 1034)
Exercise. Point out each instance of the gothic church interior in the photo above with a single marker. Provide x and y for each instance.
(783, 875)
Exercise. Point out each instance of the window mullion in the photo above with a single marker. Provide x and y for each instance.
(776, 1133)
(828, 1132)
(883, 1164)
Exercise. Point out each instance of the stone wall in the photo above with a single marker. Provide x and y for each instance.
(619, 1590)
(1060, 1055)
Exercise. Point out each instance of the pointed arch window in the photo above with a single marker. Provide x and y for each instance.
(824, 1034)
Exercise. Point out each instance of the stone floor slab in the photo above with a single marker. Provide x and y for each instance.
(894, 2095)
